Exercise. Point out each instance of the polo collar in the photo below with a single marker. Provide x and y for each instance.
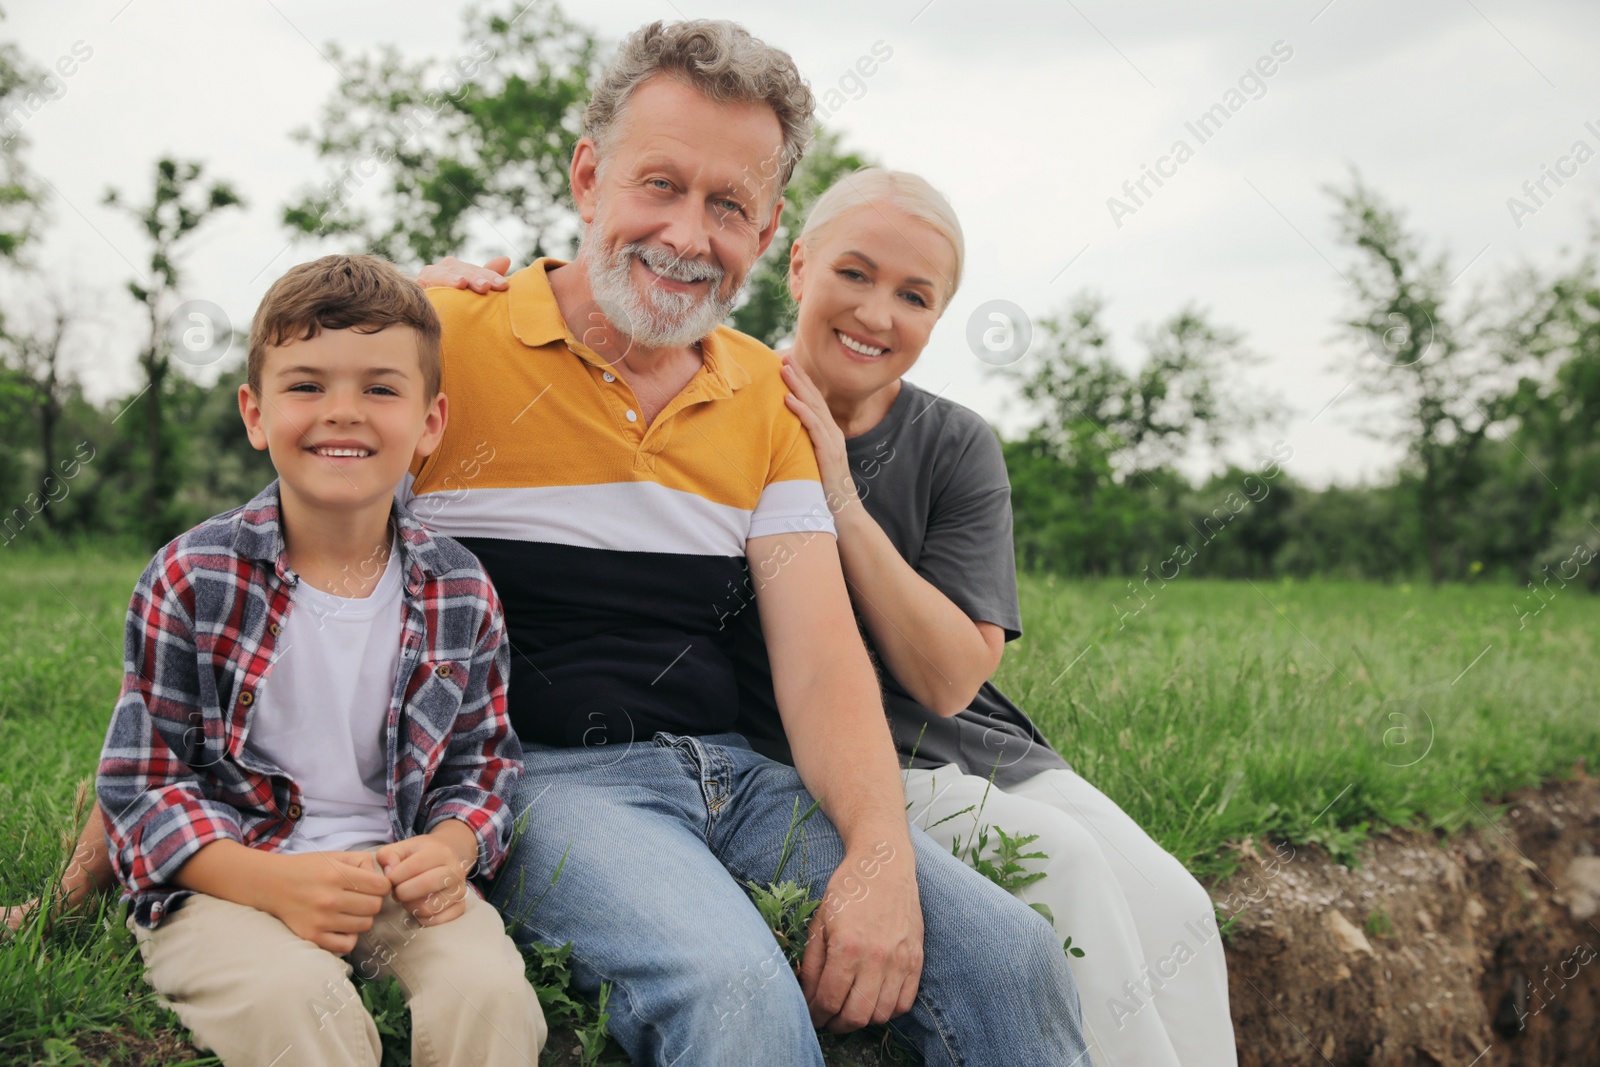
(535, 318)
(536, 321)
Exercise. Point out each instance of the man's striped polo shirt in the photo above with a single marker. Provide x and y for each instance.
(617, 548)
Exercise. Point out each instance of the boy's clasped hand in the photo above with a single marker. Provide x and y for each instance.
(330, 898)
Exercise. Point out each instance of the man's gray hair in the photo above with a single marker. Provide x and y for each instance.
(721, 60)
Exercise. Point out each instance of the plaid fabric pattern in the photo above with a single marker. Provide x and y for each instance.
(201, 629)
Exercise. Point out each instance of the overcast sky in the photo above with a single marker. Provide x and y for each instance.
(1028, 115)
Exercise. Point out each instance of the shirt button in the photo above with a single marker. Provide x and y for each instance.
(608, 376)
(293, 813)
(633, 416)
(246, 698)
(442, 670)
(273, 629)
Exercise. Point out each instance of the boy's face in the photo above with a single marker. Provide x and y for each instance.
(343, 414)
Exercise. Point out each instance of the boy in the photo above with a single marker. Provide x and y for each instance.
(311, 753)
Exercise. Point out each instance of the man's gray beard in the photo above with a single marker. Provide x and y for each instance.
(655, 319)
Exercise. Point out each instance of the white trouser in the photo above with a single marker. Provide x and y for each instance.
(1153, 981)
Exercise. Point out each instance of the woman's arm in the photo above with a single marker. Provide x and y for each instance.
(939, 655)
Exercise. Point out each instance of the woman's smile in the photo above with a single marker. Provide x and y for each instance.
(859, 347)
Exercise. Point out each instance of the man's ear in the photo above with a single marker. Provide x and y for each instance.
(797, 265)
(250, 412)
(584, 176)
(770, 230)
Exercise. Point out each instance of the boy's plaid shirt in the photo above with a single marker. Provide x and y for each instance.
(175, 774)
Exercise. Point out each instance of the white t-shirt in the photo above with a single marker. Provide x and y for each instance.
(322, 712)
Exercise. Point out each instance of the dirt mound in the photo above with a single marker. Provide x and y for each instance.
(1480, 950)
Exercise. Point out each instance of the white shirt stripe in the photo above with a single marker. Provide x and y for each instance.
(620, 516)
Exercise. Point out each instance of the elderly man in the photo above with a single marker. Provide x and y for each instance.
(615, 459)
(628, 474)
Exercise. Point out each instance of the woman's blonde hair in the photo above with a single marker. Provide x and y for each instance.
(908, 192)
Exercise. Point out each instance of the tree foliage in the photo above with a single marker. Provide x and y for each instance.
(1451, 374)
(39, 384)
(423, 153)
(179, 205)
(1494, 398)
(21, 197)
(1094, 487)
(1185, 394)
(765, 310)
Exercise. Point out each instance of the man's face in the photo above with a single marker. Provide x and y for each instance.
(678, 210)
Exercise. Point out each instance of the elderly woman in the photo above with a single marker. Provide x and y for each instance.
(920, 498)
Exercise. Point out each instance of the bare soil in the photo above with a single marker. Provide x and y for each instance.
(1475, 949)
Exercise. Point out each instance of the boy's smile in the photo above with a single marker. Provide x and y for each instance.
(340, 450)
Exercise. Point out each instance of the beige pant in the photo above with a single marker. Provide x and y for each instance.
(256, 993)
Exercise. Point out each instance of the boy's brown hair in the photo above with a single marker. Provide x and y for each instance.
(343, 292)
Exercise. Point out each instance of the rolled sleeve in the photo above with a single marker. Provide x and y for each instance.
(795, 506)
(967, 551)
(178, 823)
(792, 500)
(156, 812)
(478, 776)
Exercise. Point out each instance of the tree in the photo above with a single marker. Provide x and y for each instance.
(765, 311)
(1452, 377)
(178, 207)
(1092, 411)
(417, 154)
(41, 380)
(21, 213)
(1558, 423)
(1093, 487)
(20, 197)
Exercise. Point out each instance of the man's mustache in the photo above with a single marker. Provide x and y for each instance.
(673, 266)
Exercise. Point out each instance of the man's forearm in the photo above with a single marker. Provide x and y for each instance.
(826, 689)
(846, 757)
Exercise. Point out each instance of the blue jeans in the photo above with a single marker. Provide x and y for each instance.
(654, 842)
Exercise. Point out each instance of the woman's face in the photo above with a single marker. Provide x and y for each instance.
(870, 285)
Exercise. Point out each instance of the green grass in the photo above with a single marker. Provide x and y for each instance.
(76, 996)
(1311, 711)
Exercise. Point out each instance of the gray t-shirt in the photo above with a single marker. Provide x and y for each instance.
(932, 475)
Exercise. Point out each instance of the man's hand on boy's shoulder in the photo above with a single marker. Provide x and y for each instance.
(451, 272)
(429, 872)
